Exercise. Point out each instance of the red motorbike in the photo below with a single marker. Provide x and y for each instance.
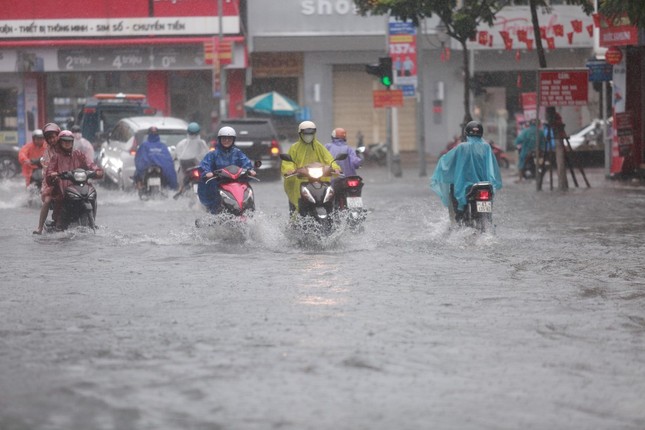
(235, 190)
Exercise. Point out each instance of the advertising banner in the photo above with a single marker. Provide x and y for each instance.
(403, 50)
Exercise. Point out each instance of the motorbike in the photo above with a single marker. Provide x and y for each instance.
(235, 190)
(316, 196)
(192, 176)
(79, 199)
(150, 187)
(478, 213)
(36, 181)
(374, 152)
(349, 200)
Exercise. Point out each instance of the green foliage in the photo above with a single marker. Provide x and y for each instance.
(632, 8)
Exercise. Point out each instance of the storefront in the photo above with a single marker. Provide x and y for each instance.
(53, 58)
(334, 44)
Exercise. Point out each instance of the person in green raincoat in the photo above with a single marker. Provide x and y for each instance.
(305, 151)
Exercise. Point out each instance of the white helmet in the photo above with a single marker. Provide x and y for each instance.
(37, 133)
(226, 131)
(307, 127)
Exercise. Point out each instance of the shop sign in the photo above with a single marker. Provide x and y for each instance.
(388, 98)
(152, 57)
(563, 87)
(618, 31)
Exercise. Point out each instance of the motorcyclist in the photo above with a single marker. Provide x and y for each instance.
(305, 151)
(66, 159)
(153, 152)
(82, 144)
(469, 162)
(30, 154)
(51, 131)
(338, 145)
(225, 154)
(190, 151)
(525, 143)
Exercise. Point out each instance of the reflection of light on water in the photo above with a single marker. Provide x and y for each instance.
(317, 301)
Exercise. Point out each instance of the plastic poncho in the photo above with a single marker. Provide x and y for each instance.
(28, 153)
(152, 152)
(351, 163)
(218, 159)
(302, 154)
(467, 163)
(526, 138)
(63, 162)
(191, 148)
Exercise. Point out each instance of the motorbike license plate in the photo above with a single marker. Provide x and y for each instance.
(195, 188)
(484, 206)
(154, 181)
(354, 202)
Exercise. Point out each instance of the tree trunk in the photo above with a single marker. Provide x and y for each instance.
(467, 116)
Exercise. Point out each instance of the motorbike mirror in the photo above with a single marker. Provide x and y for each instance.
(286, 157)
(341, 157)
(257, 164)
(360, 149)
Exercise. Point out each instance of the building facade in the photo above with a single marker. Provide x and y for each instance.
(54, 56)
(316, 51)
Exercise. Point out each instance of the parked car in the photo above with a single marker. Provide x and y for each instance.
(102, 111)
(588, 137)
(117, 153)
(587, 143)
(257, 138)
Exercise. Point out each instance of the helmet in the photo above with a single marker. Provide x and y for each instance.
(51, 128)
(307, 127)
(66, 136)
(474, 128)
(339, 133)
(193, 128)
(76, 129)
(38, 133)
(226, 131)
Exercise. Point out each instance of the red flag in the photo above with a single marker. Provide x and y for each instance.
(558, 30)
(570, 37)
(550, 42)
(576, 24)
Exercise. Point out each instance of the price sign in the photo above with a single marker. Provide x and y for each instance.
(564, 88)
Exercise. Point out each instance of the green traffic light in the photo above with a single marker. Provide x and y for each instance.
(385, 80)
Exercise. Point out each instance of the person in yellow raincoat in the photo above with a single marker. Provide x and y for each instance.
(305, 151)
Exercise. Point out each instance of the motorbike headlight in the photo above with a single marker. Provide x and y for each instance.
(80, 176)
(315, 172)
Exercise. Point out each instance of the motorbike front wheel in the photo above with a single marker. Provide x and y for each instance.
(87, 220)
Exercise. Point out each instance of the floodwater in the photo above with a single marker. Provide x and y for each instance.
(151, 323)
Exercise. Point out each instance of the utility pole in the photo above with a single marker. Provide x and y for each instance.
(223, 91)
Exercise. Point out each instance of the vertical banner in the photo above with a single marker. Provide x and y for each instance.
(403, 50)
(618, 103)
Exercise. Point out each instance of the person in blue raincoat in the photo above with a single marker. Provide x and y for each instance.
(224, 155)
(457, 170)
(526, 144)
(337, 146)
(153, 152)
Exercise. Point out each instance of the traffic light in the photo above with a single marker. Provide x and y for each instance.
(383, 70)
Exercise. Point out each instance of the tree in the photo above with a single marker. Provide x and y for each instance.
(460, 17)
(632, 8)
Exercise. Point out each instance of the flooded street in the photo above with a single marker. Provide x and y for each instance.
(151, 323)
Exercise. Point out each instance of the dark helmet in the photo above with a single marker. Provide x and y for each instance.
(474, 128)
(76, 129)
(153, 130)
